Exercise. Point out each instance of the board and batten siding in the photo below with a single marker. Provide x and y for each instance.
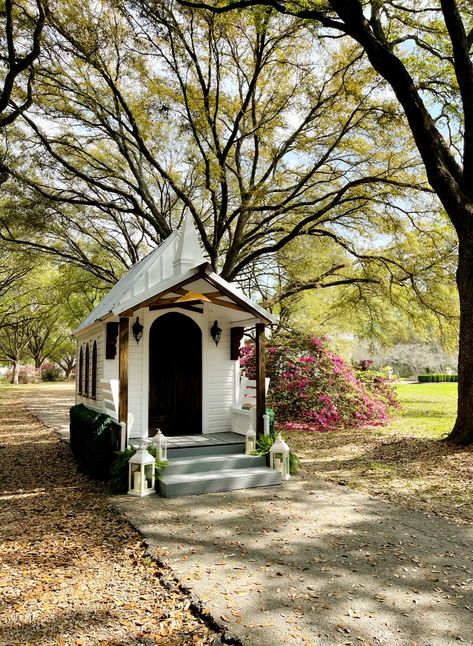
(96, 335)
(137, 420)
(220, 375)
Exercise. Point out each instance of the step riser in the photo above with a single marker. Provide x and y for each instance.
(200, 465)
(223, 484)
(187, 452)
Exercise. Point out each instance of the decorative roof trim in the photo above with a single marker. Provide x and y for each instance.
(204, 272)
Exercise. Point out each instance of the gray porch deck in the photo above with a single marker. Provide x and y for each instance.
(180, 446)
(204, 440)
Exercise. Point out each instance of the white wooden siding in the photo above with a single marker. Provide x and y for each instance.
(220, 375)
(136, 399)
(219, 380)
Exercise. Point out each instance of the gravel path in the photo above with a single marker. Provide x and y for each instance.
(73, 572)
(311, 563)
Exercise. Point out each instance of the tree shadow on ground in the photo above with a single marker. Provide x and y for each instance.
(72, 570)
(420, 473)
(324, 563)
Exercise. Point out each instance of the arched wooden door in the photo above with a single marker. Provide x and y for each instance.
(175, 375)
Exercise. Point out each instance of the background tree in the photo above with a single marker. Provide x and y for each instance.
(401, 293)
(13, 345)
(407, 358)
(13, 268)
(38, 314)
(64, 354)
(432, 78)
(22, 23)
(157, 112)
(21, 27)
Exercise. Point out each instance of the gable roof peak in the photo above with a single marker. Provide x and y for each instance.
(188, 250)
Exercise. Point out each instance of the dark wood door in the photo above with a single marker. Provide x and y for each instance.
(175, 375)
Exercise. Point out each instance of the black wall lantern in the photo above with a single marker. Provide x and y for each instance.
(216, 332)
(137, 330)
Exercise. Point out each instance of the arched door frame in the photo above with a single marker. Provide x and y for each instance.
(149, 317)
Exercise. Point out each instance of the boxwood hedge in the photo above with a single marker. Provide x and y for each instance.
(436, 378)
(94, 440)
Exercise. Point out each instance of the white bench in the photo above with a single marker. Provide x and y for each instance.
(243, 413)
(110, 397)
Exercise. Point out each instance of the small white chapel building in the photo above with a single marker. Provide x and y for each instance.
(161, 350)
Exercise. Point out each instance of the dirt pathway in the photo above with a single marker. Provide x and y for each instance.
(307, 564)
(72, 570)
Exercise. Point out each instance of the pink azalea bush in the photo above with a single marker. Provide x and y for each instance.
(26, 375)
(314, 389)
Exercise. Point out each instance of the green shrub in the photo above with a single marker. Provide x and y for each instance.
(436, 378)
(264, 443)
(119, 471)
(294, 463)
(93, 441)
(314, 389)
(51, 372)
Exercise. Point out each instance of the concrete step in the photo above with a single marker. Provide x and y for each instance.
(219, 449)
(199, 463)
(186, 484)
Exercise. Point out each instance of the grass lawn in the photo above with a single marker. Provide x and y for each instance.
(403, 462)
(427, 410)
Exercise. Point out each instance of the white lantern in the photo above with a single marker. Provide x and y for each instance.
(160, 443)
(279, 457)
(141, 477)
(250, 441)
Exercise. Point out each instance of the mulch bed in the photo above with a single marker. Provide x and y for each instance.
(73, 572)
(417, 473)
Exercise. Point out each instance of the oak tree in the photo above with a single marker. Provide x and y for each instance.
(424, 53)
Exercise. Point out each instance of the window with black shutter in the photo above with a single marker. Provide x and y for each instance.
(111, 340)
(93, 392)
(87, 371)
(81, 369)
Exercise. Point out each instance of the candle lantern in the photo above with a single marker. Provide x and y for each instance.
(250, 441)
(279, 457)
(160, 443)
(141, 477)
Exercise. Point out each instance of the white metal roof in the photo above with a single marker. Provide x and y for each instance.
(125, 285)
(174, 261)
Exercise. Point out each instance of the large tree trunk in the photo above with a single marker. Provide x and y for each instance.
(15, 372)
(68, 370)
(462, 432)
